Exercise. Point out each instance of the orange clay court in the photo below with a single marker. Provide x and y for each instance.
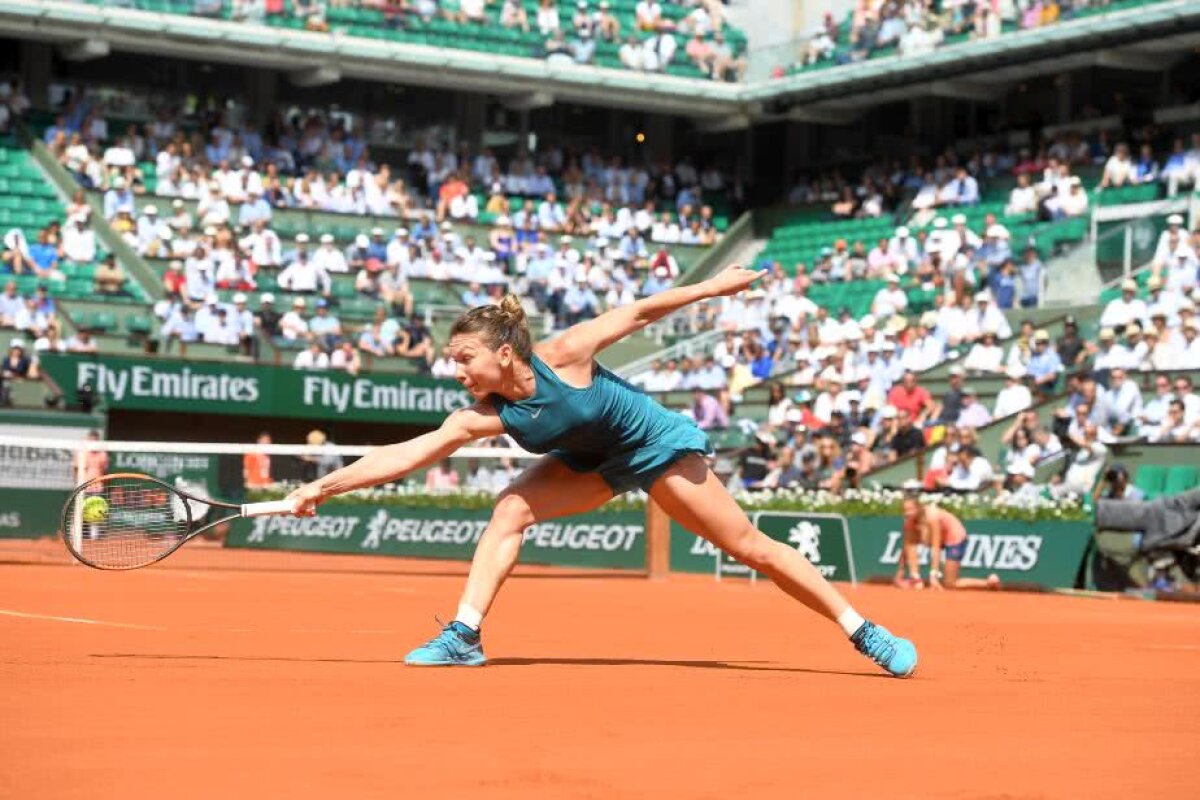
(228, 674)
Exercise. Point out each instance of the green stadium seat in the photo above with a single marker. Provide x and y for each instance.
(1151, 478)
(1180, 479)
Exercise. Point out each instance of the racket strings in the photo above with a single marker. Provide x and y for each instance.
(135, 522)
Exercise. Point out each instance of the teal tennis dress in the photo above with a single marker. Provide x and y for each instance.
(610, 427)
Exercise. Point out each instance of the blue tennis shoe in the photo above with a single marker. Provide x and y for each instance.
(896, 655)
(456, 645)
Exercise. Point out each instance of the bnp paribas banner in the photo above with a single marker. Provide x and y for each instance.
(153, 384)
(606, 540)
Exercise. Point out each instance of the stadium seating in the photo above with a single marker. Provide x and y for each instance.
(808, 229)
(372, 23)
(29, 202)
(843, 51)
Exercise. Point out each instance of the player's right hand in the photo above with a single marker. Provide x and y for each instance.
(306, 499)
(732, 280)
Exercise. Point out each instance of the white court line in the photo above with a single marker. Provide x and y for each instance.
(77, 620)
(1173, 647)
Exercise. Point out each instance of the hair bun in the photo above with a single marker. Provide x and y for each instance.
(511, 308)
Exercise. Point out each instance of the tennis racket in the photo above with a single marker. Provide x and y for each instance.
(127, 520)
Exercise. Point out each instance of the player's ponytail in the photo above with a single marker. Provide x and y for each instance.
(498, 325)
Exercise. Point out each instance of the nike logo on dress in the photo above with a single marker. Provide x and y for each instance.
(534, 414)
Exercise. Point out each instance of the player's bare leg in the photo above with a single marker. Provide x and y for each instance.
(547, 490)
(693, 496)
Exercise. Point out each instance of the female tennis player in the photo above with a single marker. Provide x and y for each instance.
(946, 537)
(602, 437)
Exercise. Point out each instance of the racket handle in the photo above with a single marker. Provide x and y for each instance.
(273, 508)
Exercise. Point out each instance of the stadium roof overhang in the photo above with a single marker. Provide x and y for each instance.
(1147, 37)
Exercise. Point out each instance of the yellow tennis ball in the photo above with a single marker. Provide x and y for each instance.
(95, 509)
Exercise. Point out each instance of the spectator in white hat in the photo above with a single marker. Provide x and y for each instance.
(293, 325)
(904, 247)
(1015, 396)
(329, 258)
(889, 300)
(1172, 243)
(78, 240)
(241, 321)
(1125, 309)
(985, 356)
(302, 275)
(987, 316)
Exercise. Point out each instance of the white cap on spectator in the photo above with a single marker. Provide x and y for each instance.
(150, 210)
(247, 161)
(1016, 372)
(266, 297)
(212, 299)
(176, 203)
(176, 264)
(902, 231)
(1155, 282)
(361, 240)
(891, 277)
(728, 361)
(402, 231)
(929, 319)
(1041, 335)
(1107, 333)
(298, 302)
(1075, 181)
(447, 226)
(377, 231)
(1175, 219)
(983, 297)
(326, 238)
(1186, 304)
(210, 230)
(1020, 467)
(565, 239)
(957, 370)
(18, 342)
(239, 298)
(939, 222)
(302, 238)
(959, 219)
(1129, 285)
(997, 231)
(887, 345)
(888, 412)
(859, 438)
(868, 321)
(660, 272)
(831, 375)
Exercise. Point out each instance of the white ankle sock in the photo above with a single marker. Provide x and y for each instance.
(850, 620)
(468, 616)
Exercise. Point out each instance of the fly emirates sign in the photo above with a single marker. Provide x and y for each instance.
(211, 387)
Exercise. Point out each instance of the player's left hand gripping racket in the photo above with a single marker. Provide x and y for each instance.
(126, 520)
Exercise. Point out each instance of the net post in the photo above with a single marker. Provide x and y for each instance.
(658, 540)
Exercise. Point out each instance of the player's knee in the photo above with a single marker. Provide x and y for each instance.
(754, 549)
(512, 513)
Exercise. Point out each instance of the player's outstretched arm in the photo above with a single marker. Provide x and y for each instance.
(583, 341)
(385, 464)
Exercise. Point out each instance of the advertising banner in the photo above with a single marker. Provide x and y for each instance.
(603, 540)
(1043, 553)
(148, 384)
